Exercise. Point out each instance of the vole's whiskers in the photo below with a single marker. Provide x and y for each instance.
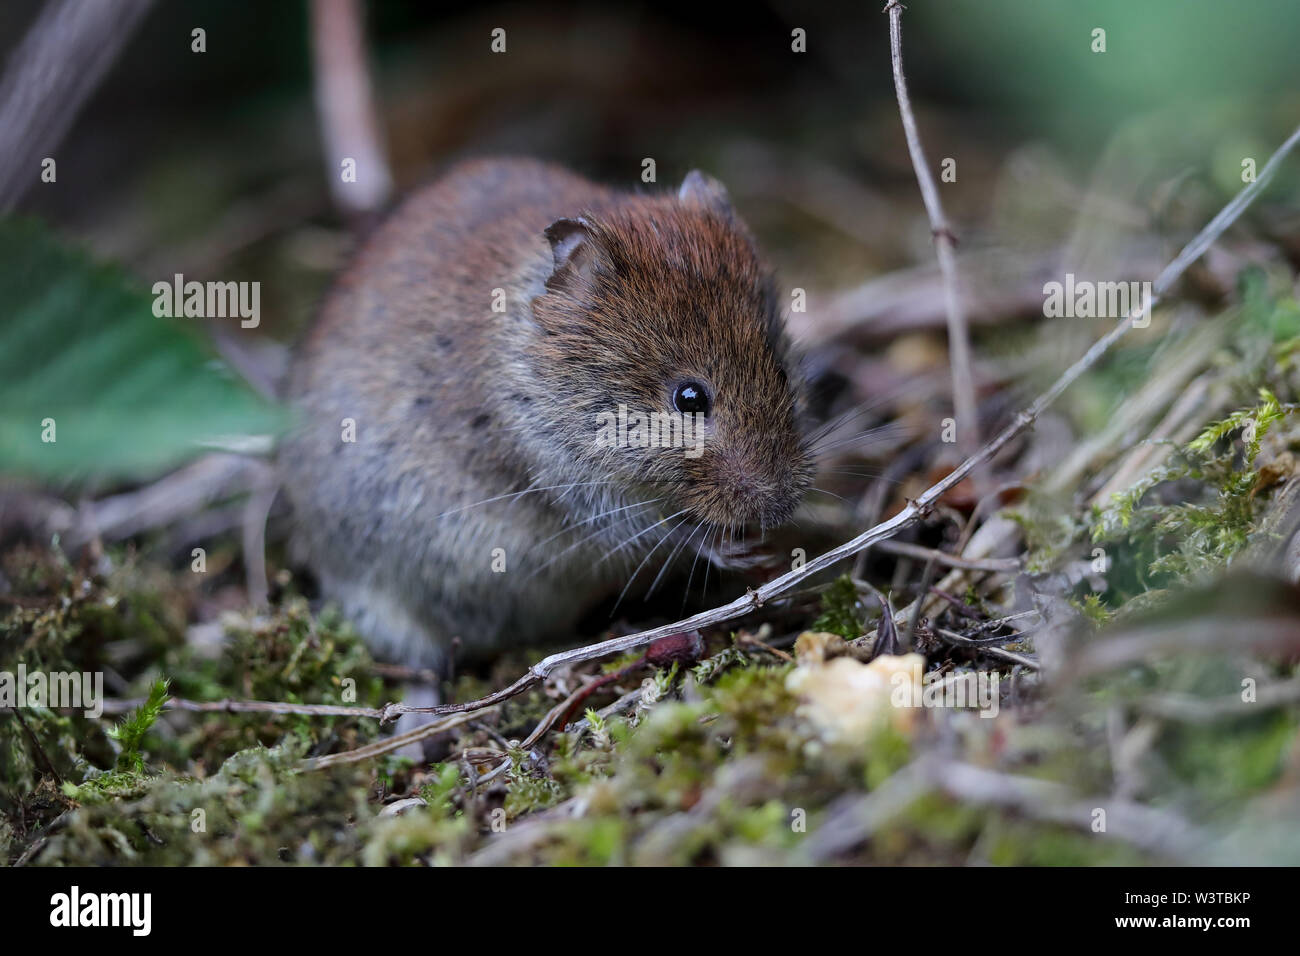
(596, 517)
(520, 494)
(716, 537)
(639, 534)
(880, 475)
(907, 390)
(586, 538)
(698, 551)
(671, 558)
(889, 430)
(831, 493)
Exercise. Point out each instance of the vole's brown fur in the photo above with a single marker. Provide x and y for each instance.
(610, 298)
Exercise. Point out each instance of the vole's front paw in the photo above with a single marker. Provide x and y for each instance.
(742, 555)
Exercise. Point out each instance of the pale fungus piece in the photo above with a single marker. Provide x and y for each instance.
(848, 700)
(819, 646)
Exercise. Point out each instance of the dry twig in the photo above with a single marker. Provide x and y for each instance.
(1001, 565)
(49, 78)
(963, 384)
(388, 744)
(1155, 830)
(348, 124)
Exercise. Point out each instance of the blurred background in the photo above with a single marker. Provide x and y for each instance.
(211, 164)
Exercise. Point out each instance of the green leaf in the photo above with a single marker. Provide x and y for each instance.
(128, 393)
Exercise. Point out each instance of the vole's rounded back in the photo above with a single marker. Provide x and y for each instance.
(469, 462)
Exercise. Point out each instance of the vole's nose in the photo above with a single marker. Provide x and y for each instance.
(768, 496)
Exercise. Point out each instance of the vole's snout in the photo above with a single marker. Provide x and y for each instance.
(754, 493)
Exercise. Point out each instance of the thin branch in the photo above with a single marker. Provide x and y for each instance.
(378, 748)
(1156, 830)
(41, 756)
(1003, 565)
(1265, 635)
(116, 706)
(49, 78)
(347, 117)
(991, 649)
(388, 744)
(560, 711)
(201, 483)
(256, 512)
(1196, 710)
(998, 287)
(963, 384)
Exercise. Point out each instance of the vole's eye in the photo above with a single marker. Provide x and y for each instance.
(690, 397)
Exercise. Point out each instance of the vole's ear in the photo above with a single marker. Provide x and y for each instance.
(571, 245)
(703, 190)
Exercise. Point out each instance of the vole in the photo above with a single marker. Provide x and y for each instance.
(447, 477)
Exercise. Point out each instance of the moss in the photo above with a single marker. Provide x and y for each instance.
(718, 777)
(1049, 528)
(1218, 766)
(1190, 517)
(889, 753)
(529, 790)
(129, 734)
(131, 620)
(841, 610)
(1011, 842)
(720, 770)
(1093, 609)
(256, 809)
